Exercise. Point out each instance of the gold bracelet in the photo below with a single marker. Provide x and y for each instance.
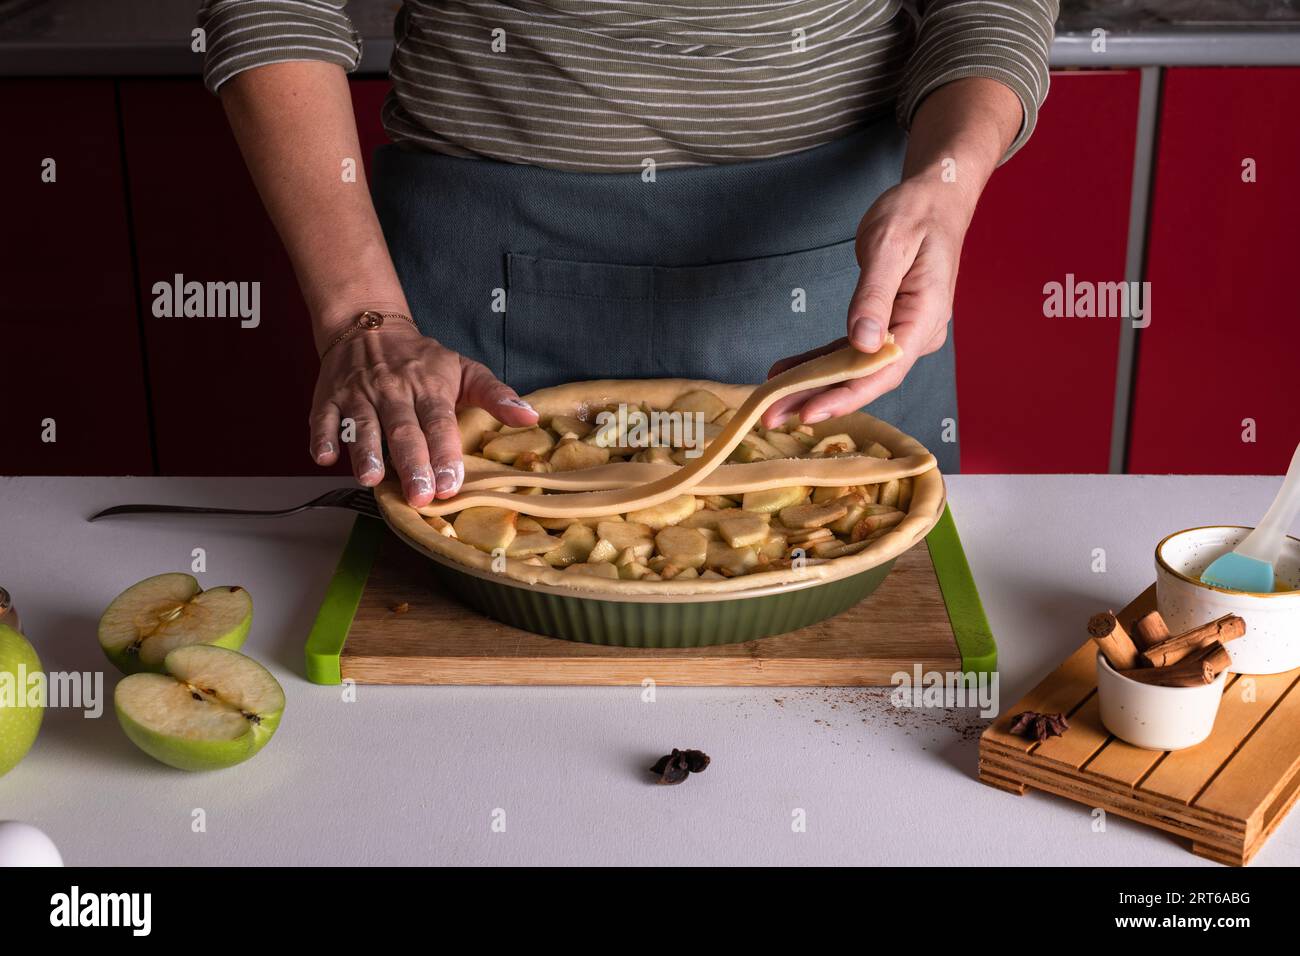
(367, 321)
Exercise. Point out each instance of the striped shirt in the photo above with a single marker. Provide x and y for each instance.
(606, 85)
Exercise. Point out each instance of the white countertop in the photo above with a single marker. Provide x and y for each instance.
(414, 775)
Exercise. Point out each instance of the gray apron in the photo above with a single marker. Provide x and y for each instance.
(710, 272)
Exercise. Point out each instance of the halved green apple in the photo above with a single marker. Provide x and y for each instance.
(168, 611)
(211, 708)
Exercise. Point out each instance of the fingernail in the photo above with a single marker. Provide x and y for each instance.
(372, 466)
(420, 482)
(815, 417)
(518, 403)
(322, 449)
(449, 478)
(867, 334)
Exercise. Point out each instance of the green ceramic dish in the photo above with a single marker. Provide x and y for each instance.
(745, 617)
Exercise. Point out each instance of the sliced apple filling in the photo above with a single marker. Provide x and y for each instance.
(599, 434)
(689, 536)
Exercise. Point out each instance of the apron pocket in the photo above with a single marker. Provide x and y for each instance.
(568, 321)
(727, 321)
(731, 320)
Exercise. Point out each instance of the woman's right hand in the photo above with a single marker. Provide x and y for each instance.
(396, 383)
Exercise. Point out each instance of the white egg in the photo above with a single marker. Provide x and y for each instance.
(21, 844)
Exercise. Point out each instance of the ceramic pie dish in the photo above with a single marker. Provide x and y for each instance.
(702, 607)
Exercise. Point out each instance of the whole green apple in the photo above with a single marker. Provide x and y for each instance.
(212, 708)
(21, 708)
(167, 611)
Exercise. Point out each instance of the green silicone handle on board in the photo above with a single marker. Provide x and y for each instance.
(970, 628)
(330, 630)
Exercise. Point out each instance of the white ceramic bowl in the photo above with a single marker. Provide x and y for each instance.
(1157, 718)
(1271, 644)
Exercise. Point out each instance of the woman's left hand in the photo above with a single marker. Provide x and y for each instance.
(908, 247)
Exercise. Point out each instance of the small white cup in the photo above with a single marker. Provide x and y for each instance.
(1154, 717)
(1271, 644)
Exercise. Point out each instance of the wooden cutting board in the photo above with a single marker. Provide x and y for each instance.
(387, 620)
(1226, 795)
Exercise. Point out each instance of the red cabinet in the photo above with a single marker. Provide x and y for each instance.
(1035, 394)
(367, 98)
(1221, 347)
(71, 341)
(228, 400)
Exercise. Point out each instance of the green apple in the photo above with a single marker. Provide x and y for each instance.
(212, 708)
(168, 611)
(20, 716)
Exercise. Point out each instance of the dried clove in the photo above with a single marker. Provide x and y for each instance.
(697, 761)
(675, 767)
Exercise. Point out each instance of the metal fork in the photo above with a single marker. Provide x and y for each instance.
(360, 500)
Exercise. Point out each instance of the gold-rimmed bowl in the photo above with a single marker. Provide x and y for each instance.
(1271, 644)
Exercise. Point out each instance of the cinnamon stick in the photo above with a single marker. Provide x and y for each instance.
(1113, 641)
(1190, 672)
(1197, 669)
(1216, 656)
(1174, 649)
(1149, 630)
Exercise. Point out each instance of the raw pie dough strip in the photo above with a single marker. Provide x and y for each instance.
(725, 479)
(829, 369)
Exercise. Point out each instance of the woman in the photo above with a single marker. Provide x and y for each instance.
(614, 188)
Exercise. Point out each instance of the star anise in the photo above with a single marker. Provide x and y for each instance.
(678, 765)
(1039, 726)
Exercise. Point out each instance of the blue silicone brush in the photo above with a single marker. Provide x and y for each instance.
(1250, 566)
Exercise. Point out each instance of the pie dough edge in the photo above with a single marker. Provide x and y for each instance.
(929, 496)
